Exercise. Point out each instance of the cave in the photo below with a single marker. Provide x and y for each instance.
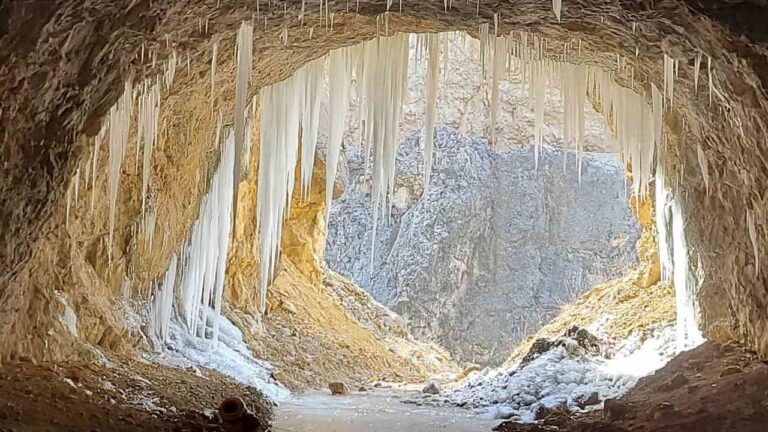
(169, 169)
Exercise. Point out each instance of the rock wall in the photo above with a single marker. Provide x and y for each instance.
(493, 248)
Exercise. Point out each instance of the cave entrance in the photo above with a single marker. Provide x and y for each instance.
(502, 238)
(190, 301)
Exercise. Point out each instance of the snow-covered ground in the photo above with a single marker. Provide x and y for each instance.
(230, 356)
(557, 377)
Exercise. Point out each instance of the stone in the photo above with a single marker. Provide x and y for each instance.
(677, 381)
(588, 400)
(338, 388)
(431, 388)
(279, 376)
(615, 409)
(731, 370)
(362, 389)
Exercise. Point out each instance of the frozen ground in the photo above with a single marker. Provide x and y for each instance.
(230, 356)
(557, 378)
(375, 411)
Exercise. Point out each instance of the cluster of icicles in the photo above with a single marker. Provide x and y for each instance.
(379, 70)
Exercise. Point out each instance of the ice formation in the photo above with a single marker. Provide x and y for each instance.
(162, 303)
(688, 334)
(244, 56)
(101, 136)
(559, 377)
(310, 121)
(204, 270)
(213, 72)
(231, 356)
(753, 239)
(696, 68)
(430, 115)
(339, 72)
(119, 126)
(148, 121)
(281, 107)
(557, 6)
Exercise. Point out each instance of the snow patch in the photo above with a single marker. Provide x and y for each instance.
(557, 378)
(68, 319)
(230, 356)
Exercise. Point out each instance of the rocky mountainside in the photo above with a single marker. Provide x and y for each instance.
(492, 248)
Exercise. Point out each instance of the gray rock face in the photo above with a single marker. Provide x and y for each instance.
(493, 247)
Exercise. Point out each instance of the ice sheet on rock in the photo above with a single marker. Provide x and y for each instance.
(557, 377)
(230, 356)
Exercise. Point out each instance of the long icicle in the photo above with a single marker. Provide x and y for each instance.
(339, 72)
(244, 67)
(119, 126)
(430, 116)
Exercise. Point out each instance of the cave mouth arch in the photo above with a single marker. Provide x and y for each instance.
(731, 192)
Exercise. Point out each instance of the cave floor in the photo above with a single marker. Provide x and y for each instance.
(712, 388)
(111, 395)
(376, 410)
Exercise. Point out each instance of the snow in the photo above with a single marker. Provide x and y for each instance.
(230, 355)
(68, 318)
(557, 377)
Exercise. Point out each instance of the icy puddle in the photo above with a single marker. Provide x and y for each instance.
(377, 411)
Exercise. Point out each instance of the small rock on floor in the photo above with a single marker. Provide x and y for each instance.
(338, 388)
(431, 388)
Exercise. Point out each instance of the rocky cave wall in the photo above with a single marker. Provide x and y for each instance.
(62, 65)
(493, 248)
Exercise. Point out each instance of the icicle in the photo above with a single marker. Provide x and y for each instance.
(703, 165)
(753, 239)
(77, 184)
(243, 78)
(310, 121)
(97, 143)
(150, 221)
(213, 72)
(658, 110)
(574, 99)
(339, 73)
(499, 58)
(484, 46)
(204, 264)
(430, 116)
(148, 119)
(170, 69)
(162, 303)
(696, 68)
(557, 6)
(281, 106)
(284, 36)
(119, 126)
(669, 78)
(69, 204)
(709, 75)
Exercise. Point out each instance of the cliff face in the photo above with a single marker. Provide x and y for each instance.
(493, 248)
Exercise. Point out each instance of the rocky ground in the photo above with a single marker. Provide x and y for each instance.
(116, 395)
(712, 388)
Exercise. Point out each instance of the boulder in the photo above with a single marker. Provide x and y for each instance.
(338, 388)
(431, 388)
